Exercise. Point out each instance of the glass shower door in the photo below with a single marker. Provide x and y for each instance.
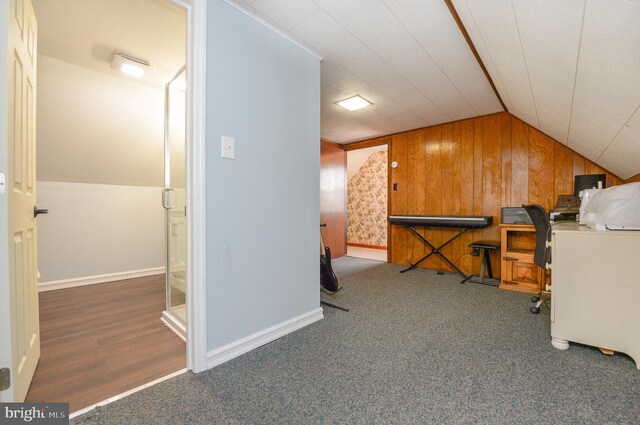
(174, 198)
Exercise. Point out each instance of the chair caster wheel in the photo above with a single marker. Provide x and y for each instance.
(535, 298)
(535, 310)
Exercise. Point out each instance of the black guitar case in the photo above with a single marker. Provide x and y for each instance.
(328, 279)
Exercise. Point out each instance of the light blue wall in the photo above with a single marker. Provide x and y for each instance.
(263, 207)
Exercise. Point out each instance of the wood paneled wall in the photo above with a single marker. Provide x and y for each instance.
(333, 197)
(475, 167)
(633, 179)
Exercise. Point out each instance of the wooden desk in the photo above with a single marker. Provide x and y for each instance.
(596, 291)
(519, 272)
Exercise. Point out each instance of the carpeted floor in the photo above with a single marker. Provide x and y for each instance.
(415, 348)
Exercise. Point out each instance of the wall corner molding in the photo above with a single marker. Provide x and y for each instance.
(363, 144)
(258, 339)
(334, 144)
(275, 29)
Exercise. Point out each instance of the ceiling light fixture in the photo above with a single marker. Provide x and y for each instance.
(133, 67)
(354, 103)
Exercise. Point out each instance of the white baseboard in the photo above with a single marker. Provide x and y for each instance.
(92, 280)
(244, 345)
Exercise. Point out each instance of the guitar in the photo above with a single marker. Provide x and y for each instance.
(328, 279)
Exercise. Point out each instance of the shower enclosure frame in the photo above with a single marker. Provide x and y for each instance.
(169, 196)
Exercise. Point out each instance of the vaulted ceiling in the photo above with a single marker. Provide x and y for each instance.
(406, 57)
(570, 68)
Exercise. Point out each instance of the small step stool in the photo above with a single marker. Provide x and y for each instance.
(485, 246)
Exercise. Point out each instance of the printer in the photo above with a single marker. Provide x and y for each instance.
(567, 208)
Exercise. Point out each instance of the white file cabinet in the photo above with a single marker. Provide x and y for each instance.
(595, 298)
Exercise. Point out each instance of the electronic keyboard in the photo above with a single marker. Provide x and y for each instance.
(454, 221)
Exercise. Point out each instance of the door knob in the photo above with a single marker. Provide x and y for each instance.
(37, 211)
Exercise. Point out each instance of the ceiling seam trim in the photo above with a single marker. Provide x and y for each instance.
(387, 63)
(626, 123)
(526, 66)
(575, 76)
(476, 54)
(430, 57)
(401, 132)
(473, 18)
(275, 28)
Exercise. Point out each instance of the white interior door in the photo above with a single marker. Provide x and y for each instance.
(23, 352)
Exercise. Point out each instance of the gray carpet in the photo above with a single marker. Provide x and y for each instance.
(415, 348)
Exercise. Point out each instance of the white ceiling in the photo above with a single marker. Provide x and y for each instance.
(88, 33)
(569, 68)
(407, 57)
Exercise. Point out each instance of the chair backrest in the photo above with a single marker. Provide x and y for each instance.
(540, 221)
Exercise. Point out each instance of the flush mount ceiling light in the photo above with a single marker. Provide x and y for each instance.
(354, 103)
(133, 67)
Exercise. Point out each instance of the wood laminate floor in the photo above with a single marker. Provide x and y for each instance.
(101, 340)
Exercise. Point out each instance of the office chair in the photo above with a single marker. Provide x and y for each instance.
(542, 255)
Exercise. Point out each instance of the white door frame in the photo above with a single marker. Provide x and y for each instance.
(195, 187)
(196, 62)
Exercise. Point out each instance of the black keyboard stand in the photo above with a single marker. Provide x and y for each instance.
(435, 250)
(328, 304)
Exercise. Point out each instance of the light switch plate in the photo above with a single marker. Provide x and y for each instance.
(228, 147)
(3, 184)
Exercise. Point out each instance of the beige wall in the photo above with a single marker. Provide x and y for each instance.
(100, 169)
(97, 229)
(177, 133)
(94, 127)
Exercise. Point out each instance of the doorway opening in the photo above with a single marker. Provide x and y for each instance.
(112, 171)
(367, 202)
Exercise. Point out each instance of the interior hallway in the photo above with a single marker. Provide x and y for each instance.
(101, 340)
(367, 253)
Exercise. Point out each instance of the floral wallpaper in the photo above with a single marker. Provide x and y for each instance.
(367, 202)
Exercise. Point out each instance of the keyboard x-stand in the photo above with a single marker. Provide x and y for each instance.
(464, 223)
